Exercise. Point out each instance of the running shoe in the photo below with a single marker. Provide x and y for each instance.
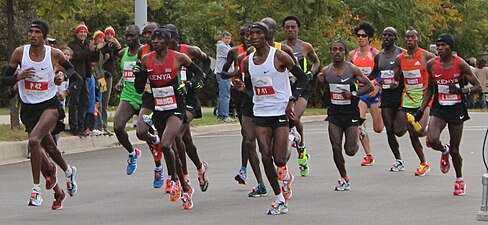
(258, 191)
(295, 138)
(368, 160)
(241, 177)
(445, 165)
(132, 162)
(156, 151)
(202, 177)
(282, 171)
(303, 158)
(51, 179)
(422, 170)
(398, 166)
(35, 199)
(175, 191)
(71, 183)
(459, 188)
(58, 201)
(286, 187)
(343, 185)
(158, 178)
(168, 185)
(186, 198)
(278, 208)
(362, 132)
(187, 179)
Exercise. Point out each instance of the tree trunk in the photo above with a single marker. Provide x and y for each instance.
(14, 106)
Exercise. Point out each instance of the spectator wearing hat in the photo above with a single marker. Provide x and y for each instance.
(83, 56)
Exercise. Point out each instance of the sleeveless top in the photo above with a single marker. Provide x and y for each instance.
(271, 88)
(127, 64)
(339, 103)
(40, 87)
(445, 78)
(416, 79)
(163, 79)
(387, 67)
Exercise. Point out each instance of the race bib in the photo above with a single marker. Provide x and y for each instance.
(128, 74)
(37, 84)
(445, 98)
(336, 96)
(413, 79)
(164, 98)
(183, 74)
(387, 78)
(365, 70)
(263, 87)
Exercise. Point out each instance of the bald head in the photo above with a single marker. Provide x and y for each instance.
(271, 23)
(133, 29)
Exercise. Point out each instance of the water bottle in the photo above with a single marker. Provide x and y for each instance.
(416, 125)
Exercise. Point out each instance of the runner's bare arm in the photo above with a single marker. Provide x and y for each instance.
(302, 79)
(368, 85)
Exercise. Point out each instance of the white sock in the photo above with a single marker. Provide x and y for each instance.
(36, 187)
(159, 168)
(169, 177)
(280, 198)
(133, 153)
(446, 150)
(288, 177)
(459, 179)
(157, 141)
(68, 172)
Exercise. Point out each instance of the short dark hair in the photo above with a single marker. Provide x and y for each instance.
(340, 42)
(367, 27)
(291, 18)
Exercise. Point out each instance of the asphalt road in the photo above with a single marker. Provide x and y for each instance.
(108, 196)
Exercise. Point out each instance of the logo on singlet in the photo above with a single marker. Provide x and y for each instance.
(344, 80)
(437, 75)
(149, 70)
(45, 68)
(417, 63)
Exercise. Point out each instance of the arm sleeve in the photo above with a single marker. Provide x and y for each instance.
(197, 71)
(9, 79)
(140, 82)
(302, 81)
(206, 67)
(75, 79)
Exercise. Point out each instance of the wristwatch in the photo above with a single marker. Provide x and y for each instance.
(354, 93)
(293, 98)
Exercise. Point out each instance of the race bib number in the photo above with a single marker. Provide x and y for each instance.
(183, 74)
(413, 79)
(365, 70)
(445, 98)
(263, 87)
(164, 98)
(336, 96)
(37, 84)
(128, 74)
(387, 78)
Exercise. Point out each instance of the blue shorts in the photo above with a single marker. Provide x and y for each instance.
(370, 100)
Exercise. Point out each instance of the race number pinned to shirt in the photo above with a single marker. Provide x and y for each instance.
(37, 84)
(413, 79)
(387, 78)
(183, 74)
(446, 98)
(263, 87)
(336, 96)
(164, 98)
(365, 70)
(128, 74)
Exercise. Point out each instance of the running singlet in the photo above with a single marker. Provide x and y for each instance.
(145, 50)
(390, 97)
(297, 51)
(40, 87)
(365, 65)
(184, 50)
(129, 93)
(445, 78)
(163, 79)
(341, 104)
(416, 79)
(271, 88)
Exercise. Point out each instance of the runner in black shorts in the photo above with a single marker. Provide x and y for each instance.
(337, 82)
(446, 75)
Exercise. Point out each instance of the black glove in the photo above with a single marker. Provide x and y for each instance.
(418, 115)
(453, 89)
(182, 89)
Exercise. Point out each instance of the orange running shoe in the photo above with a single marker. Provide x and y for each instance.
(286, 187)
(282, 171)
(186, 198)
(168, 185)
(445, 161)
(175, 191)
(368, 160)
(422, 170)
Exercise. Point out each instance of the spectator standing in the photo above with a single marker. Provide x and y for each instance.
(481, 71)
(223, 48)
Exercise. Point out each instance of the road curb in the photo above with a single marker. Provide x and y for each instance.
(15, 152)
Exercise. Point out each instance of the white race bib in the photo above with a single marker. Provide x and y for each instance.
(336, 96)
(37, 84)
(387, 78)
(128, 74)
(263, 87)
(164, 98)
(365, 70)
(446, 98)
(413, 79)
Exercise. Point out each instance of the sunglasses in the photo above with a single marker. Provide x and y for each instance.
(362, 35)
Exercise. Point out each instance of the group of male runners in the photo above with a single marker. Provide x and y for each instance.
(272, 83)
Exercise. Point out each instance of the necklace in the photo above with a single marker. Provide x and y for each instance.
(38, 54)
